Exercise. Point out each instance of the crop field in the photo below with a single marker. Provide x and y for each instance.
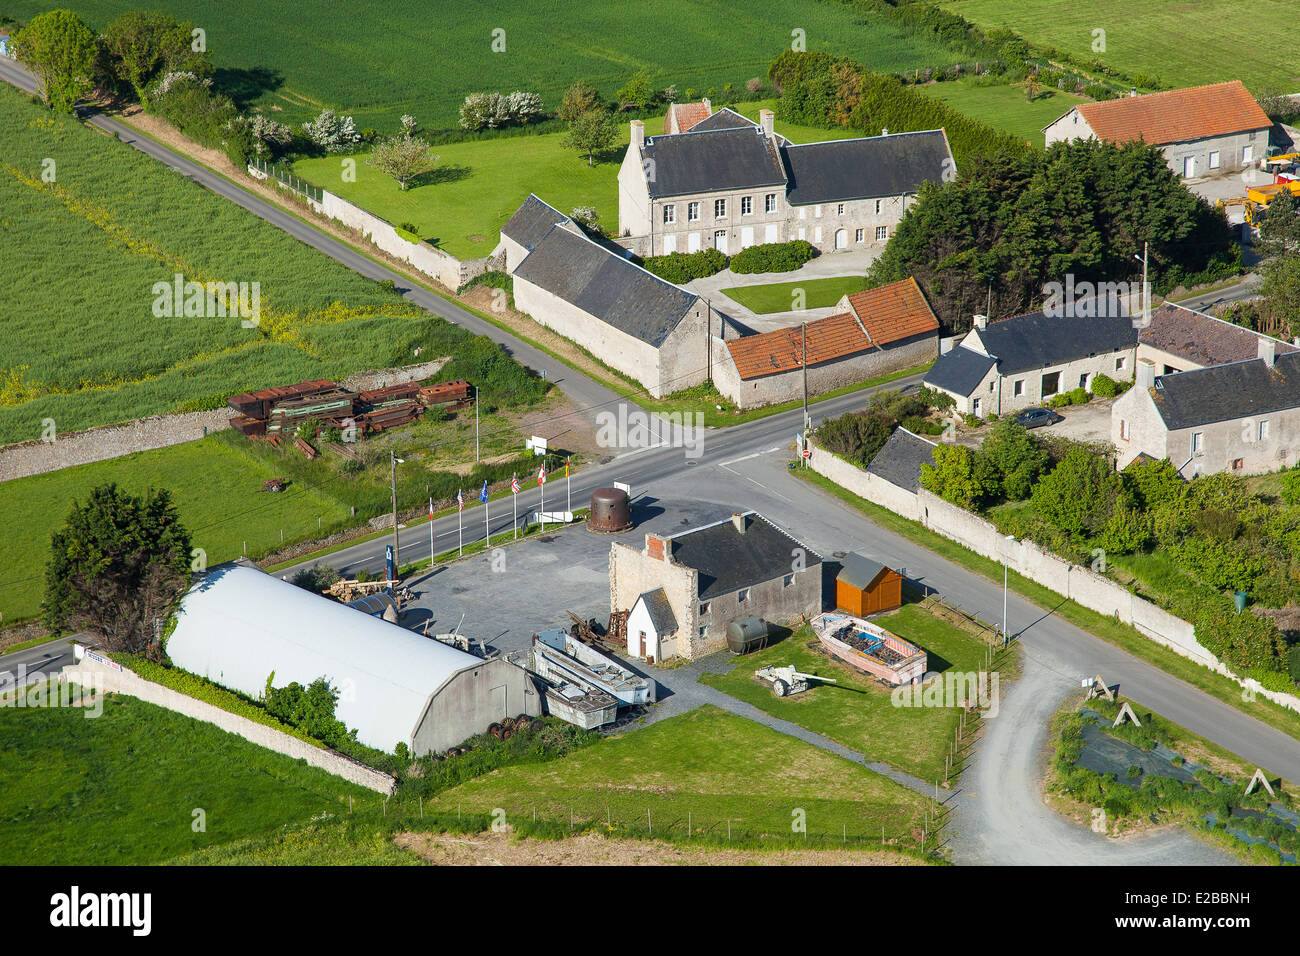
(1005, 106)
(82, 254)
(377, 60)
(857, 711)
(121, 788)
(709, 764)
(480, 183)
(1179, 43)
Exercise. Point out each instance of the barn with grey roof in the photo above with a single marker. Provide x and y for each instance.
(649, 329)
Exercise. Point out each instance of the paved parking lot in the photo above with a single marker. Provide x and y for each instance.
(508, 594)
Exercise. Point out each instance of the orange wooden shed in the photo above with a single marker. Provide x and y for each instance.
(865, 587)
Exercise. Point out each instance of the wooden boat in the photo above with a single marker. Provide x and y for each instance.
(870, 648)
(581, 707)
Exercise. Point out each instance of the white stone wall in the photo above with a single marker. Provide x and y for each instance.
(129, 683)
(447, 270)
(1081, 585)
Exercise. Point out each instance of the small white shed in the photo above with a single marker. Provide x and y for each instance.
(651, 625)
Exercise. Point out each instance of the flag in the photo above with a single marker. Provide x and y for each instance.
(482, 495)
(541, 475)
(430, 509)
(460, 500)
(514, 485)
(566, 468)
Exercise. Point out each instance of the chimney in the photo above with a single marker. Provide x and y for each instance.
(981, 321)
(765, 120)
(638, 134)
(1267, 350)
(708, 107)
(1146, 373)
(656, 547)
(739, 522)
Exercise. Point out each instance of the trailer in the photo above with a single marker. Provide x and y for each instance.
(587, 708)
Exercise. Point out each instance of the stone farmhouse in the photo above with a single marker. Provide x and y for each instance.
(726, 182)
(871, 333)
(684, 589)
(1179, 339)
(1001, 367)
(1242, 417)
(1203, 130)
(653, 331)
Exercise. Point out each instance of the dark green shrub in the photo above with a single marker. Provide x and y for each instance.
(773, 257)
(1103, 386)
(682, 267)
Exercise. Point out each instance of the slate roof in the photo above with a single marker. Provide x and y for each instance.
(1223, 392)
(531, 221)
(1176, 116)
(900, 459)
(1036, 339)
(893, 312)
(606, 285)
(687, 115)
(959, 370)
(859, 571)
(1202, 338)
(868, 168)
(704, 161)
(725, 118)
(768, 353)
(728, 560)
(661, 612)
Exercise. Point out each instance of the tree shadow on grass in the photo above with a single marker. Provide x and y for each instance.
(450, 173)
(244, 86)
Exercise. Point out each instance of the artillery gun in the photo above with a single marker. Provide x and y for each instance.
(786, 680)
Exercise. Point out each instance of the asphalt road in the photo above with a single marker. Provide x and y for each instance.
(746, 466)
(44, 659)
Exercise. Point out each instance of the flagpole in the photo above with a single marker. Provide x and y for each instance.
(431, 534)
(541, 485)
(487, 530)
(515, 517)
(460, 535)
(568, 487)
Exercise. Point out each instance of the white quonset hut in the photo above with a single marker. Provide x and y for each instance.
(238, 625)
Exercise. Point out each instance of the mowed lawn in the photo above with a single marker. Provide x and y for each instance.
(858, 711)
(122, 788)
(217, 491)
(378, 59)
(780, 296)
(1006, 107)
(1179, 43)
(709, 764)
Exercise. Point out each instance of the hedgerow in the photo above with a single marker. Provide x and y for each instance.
(773, 257)
(682, 267)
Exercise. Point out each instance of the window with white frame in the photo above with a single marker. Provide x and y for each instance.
(693, 211)
(670, 213)
(1018, 389)
(839, 209)
(879, 203)
(1263, 431)
(746, 205)
(859, 235)
(769, 203)
(882, 233)
(1214, 159)
(1198, 442)
(1120, 363)
(719, 209)
(1123, 429)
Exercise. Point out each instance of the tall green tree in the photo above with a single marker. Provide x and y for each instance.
(60, 49)
(591, 133)
(1079, 495)
(140, 45)
(579, 98)
(118, 568)
(1279, 233)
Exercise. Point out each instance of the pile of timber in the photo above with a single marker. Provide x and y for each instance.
(307, 451)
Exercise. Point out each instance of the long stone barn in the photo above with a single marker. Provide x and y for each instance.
(650, 330)
(871, 333)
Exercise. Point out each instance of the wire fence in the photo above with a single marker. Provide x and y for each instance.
(287, 179)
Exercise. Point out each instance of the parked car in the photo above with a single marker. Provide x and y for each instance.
(1037, 417)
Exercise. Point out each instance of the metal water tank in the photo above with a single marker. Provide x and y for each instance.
(748, 634)
(611, 511)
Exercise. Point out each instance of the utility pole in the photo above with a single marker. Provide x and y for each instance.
(803, 358)
(393, 460)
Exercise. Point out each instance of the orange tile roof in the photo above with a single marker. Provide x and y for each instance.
(893, 312)
(1177, 115)
(688, 114)
(779, 351)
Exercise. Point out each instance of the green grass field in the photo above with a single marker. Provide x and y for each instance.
(82, 345)
(710, 764)
(1182, 44)
(216, 489)
(779, 296)
(1005, 107)
(122, 788)
(380, 60)
(857, 711)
